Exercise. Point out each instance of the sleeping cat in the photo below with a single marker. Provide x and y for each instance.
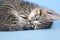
(42, 17)
(20, 15)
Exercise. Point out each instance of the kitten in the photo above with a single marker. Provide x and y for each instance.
(16, 15)
(43, 17)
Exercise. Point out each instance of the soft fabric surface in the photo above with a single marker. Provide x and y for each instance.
(48, 34)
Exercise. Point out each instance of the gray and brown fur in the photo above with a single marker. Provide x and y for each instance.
(14, 16)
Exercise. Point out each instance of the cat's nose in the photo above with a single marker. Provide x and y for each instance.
(28, 22)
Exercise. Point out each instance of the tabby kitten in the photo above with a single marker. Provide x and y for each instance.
(41, 16)
(20, 15)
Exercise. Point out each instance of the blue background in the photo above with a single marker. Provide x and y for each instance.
(48, 34)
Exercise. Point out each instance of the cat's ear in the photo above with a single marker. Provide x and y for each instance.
(52, 16)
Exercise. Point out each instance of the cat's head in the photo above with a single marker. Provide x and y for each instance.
(46, 15)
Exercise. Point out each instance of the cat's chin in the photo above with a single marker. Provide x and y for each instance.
(42, 26)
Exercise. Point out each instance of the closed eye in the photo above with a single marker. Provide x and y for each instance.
(23, 16)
